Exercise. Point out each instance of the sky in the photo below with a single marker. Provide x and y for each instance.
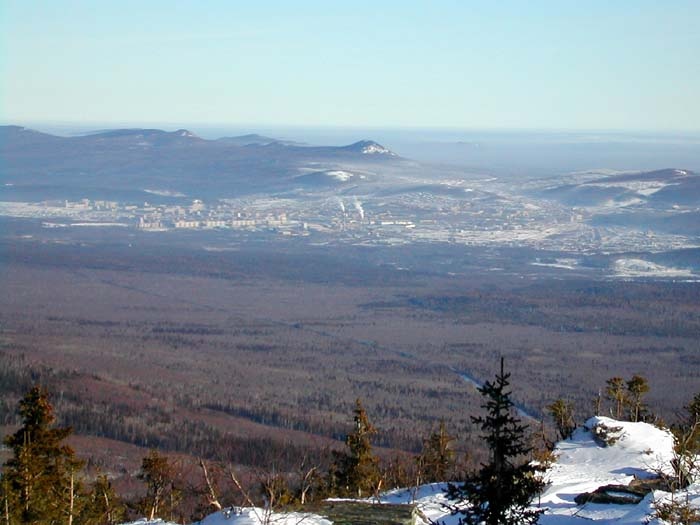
(560, 64)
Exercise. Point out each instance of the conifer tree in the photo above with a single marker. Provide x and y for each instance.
(161, 494)
(686, 463)
(563, 414)
(437, 459)
(616, 392)
(502, 491)
(40, 481)
(356, 471)
(692, 424)
(102, 505)
(636, 388)
(693, 410)
(686, 469)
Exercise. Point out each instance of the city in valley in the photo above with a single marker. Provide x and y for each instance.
(476, 212)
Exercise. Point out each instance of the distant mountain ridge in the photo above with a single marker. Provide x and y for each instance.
(134, 158)
(139, 132)
(653, 189)
(11, 133)
(255, 139)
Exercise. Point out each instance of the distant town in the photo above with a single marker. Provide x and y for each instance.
(482, 220)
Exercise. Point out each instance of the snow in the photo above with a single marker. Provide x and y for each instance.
(623, 204)
(373, 149)
(144, 521)
(642, 268)
(256, 516)
(642, 189)
(429, 500)
(340, 175)
(639, 186)
(583, 464)
(561, 263)
(248, 516)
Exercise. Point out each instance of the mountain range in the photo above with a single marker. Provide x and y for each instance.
(125, 160)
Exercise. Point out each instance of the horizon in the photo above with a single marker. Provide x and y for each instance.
(508, 153)
(68, 128)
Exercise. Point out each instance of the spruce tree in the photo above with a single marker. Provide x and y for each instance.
(40, 482)
(693, 410)
(691, 424)
(502, 491)
(686, 435)
(615, 390)
(102, 505)
(162, 496)
(563, 414)
(437, 459)
(356, 471)
(636, 388)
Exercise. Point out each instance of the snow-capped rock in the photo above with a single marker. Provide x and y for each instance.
(369, 147)
(376, 148)
(185, 133)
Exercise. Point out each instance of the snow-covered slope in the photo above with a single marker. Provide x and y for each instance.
(584, 463)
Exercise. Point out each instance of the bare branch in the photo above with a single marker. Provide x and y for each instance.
(211, 496)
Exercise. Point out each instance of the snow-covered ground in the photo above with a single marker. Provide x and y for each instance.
(642, 187)
(583, 464)
(561, 263)
(248, 516)
(258, 516)
(640, 268)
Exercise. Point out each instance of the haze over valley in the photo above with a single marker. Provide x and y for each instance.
(597, 222)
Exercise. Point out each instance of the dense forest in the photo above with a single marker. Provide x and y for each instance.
(218, 369)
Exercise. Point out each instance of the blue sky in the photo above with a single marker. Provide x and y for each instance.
(623, 65)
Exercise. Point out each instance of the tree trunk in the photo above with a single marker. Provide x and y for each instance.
(107, 506)
(212, 497)
(7, 506)
(72, 498)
